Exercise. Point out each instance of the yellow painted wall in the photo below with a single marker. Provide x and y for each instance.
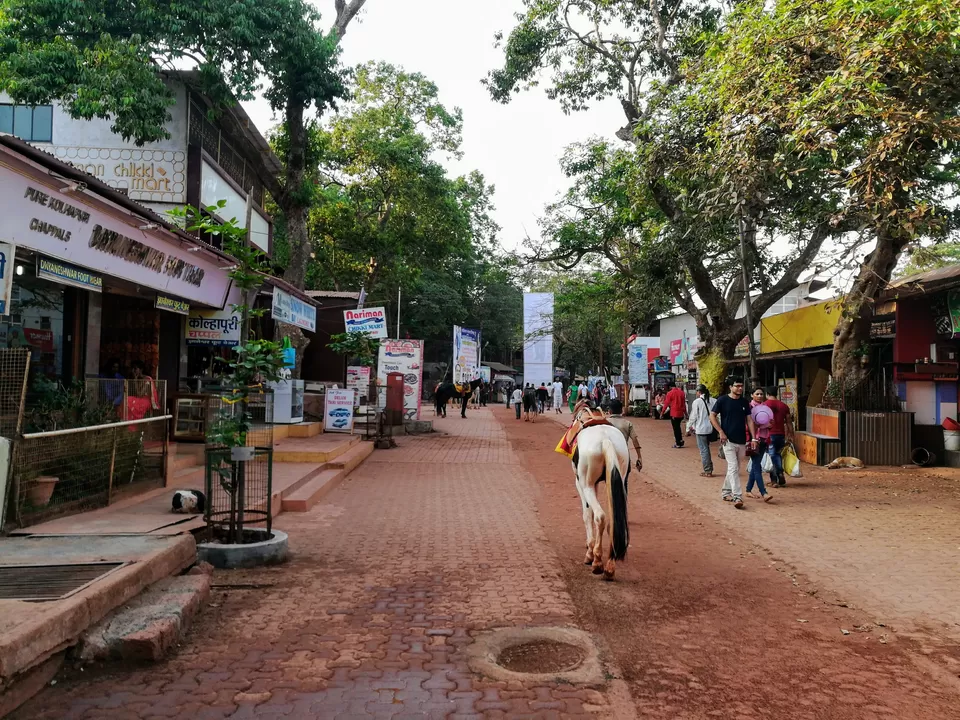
(806, 327)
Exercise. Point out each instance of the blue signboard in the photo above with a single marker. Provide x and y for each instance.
(637, 364)
(67, 274)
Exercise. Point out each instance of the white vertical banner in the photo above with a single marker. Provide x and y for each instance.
(538, 338)
(466, 354)
(338, 410)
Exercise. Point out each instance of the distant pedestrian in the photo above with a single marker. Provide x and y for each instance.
(572, 396)
(762, 417)
(558, 396)
(628, 429)
(781, 430)
(699, 424)
(731, 418)
(676, 402)
(583, 392)
(658, 406)
(517, 399)
(542, 395)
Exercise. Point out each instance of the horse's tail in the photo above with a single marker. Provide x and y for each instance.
(617, 494)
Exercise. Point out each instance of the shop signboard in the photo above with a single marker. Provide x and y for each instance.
(7, 269)
(67, 274)
(743, 348)
(42, 340)
(213, 327)
(661, 364)
(372, 321)
(788, 396)
(676, 349)
(338, 410)
(358, 379)
(466, 354)
(406, 357)
(172, 305)
(65, 228)
(637, 364)
(147, 175)
(293, 311)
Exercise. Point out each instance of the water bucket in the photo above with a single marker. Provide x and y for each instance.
(951, 440)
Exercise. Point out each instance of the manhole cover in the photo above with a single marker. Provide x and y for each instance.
(541, 656)
(49, 582)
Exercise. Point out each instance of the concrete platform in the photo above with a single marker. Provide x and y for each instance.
(319, 449)
(34, 633)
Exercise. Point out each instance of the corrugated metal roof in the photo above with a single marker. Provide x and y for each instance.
(333, 294)
(937, 278)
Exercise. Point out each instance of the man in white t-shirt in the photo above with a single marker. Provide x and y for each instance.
(583, 392)
(557, 389)
(517, 399)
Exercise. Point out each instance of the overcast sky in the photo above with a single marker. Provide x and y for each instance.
(515, 146)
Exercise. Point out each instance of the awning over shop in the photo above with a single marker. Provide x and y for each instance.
(500, 368)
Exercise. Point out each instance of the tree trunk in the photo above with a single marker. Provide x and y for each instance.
(853, 328)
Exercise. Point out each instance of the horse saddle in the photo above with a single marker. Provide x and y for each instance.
(583, 417)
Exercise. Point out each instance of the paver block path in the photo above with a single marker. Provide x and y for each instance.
(422, 546)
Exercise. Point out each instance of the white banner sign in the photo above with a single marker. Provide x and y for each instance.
(293, 311)
(358, 379)
(637, 364)
(372, 321)
(406, 357)
(63, 227)
(7, 269)
(338, 410)
(466, 354)
(538, 338)
(213, 327)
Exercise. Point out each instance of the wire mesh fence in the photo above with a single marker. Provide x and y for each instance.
(122, 400)
(14, 367)
(221, 410)
(65, 471)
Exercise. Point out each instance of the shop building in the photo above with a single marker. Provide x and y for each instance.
(97, 277)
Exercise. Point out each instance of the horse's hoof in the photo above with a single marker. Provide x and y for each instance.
(607, 576)
(597, 569)
(588, 562)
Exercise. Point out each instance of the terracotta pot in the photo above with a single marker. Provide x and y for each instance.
(41, 490)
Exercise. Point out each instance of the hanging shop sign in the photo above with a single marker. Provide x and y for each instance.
(293, 311)
(338, 410)
(884, 326)
(406, 357)
(63, 227)
(358, 379)
(172, 305)
(67, 274)
(661, 364)
(372, 321)
(7, 269)
(676, 349)
(213, 327)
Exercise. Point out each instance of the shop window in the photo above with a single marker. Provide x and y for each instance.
(33, 123)
(36, 321)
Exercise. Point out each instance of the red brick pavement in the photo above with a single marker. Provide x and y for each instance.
(423, 546)
(886, 540)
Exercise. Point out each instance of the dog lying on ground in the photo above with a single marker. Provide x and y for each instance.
(189, 501)
(845, 462)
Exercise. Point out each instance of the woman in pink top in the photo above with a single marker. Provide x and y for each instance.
(762, 416)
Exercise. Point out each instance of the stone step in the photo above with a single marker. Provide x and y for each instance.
(181, 462)
(151, 624)
(188, 476)
(326, 479)
(305, 430)
(305, 450)
(313, 491)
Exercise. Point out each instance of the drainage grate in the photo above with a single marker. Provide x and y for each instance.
(50, 582)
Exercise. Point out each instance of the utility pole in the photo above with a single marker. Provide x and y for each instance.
(746, 298)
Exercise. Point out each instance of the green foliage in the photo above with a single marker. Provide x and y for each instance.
(931, 257)
(101, 60)
(360, 346)
(52, 406)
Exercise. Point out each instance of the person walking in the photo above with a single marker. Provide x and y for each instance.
(676, 403)
(529, 402)
(542, 395)
(583, 392)
(731, 419)
(781, 430)
(628, 429)
(699, 424)
(517, 399)
(762, 417)
(558, 396)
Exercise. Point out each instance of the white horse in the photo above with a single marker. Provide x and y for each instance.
(602, 454)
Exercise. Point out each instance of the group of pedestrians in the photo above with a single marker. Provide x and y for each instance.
(748, 429)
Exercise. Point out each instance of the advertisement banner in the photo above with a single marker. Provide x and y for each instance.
(484, 373)
(676, 350)
(358, 379)
(293, 311)
(466, 354)
(338, 410)
(42, 340)
(372, 321)
(7, 270)
(402, 356)
(538, 338)
(637, 364)
(213, 327)
(788, 395)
